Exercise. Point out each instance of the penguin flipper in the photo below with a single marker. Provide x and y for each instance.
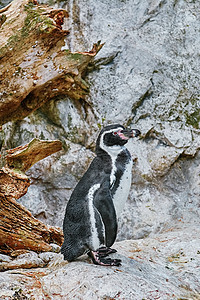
(104, 204)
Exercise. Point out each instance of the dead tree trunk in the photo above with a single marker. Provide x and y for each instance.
(33, 65)
(18, 228)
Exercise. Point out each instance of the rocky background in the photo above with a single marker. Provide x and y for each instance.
(146, 76)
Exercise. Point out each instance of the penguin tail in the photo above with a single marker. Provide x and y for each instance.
(71, 251)
(65, 251)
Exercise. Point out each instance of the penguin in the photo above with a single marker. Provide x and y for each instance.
(92, 212)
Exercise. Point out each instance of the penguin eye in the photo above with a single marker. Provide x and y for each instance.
(115, 132)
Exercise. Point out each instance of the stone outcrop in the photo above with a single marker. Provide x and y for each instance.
(164, 266)
(146, 75)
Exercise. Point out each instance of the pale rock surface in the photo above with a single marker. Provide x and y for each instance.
(164, 266)
(5, 258)
(26, 260)
(147, 76)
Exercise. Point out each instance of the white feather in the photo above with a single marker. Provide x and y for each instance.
(94, 234)
(121, 194)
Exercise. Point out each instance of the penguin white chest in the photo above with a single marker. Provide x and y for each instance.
(121, 194)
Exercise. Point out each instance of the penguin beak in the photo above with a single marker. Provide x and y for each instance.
(130, 133)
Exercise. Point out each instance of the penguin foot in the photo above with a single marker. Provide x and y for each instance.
(100, 260)
(105, 251)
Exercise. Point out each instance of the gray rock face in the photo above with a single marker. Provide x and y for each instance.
(146, 76)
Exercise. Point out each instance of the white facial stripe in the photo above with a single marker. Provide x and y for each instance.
(95, 240)
(102, 137)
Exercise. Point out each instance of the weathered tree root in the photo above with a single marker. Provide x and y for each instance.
(18, 228)
(33, 66)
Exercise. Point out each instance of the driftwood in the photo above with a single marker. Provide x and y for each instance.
(33, 66)
(18, 228)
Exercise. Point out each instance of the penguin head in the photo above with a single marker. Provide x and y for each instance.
(114, 136)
